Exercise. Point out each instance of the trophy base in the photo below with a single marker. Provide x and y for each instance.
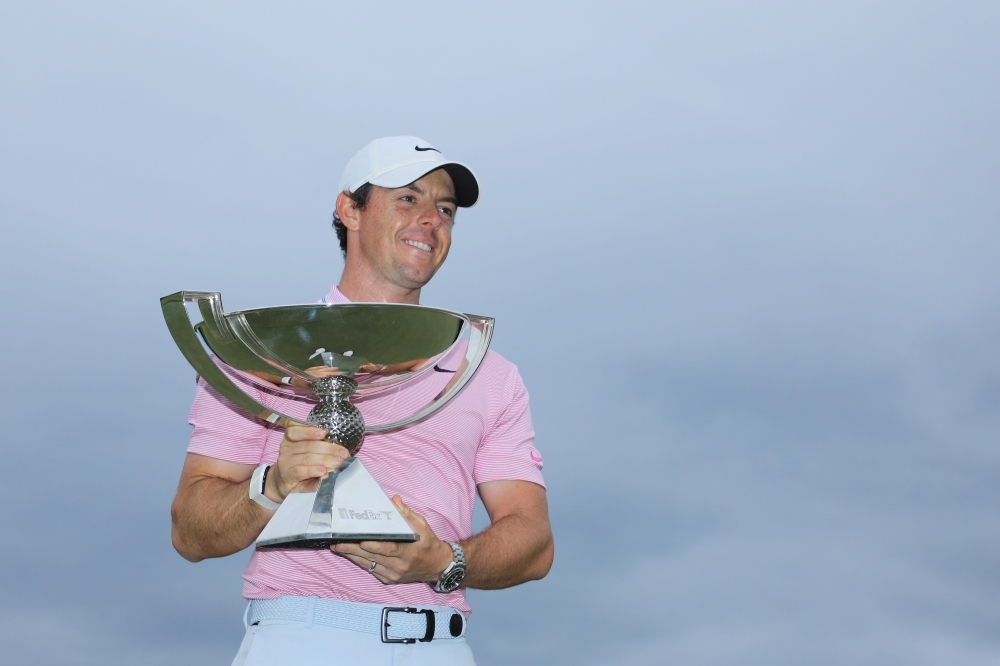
(359, 510)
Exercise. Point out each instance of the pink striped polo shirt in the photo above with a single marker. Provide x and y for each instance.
(484, 434)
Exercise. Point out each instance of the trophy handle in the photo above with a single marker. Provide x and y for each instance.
(480, 332)
(179, 324)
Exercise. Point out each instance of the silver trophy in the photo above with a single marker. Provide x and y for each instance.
(373, 346)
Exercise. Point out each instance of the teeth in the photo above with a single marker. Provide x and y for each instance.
(417, 244)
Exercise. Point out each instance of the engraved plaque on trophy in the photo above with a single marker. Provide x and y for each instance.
(372, 347)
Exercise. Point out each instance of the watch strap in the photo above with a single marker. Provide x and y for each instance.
(459, 554)
(458, 562)
(257, 489)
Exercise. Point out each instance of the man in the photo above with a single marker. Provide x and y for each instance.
(394, 217)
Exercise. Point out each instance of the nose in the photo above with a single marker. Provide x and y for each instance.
(431, 217)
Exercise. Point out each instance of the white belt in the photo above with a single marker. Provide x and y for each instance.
(395, 624)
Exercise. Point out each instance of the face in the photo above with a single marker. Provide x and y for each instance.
(405, 233)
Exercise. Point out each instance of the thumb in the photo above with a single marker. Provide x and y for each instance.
(414, 519)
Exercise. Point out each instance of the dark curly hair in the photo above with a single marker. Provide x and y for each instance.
(360, 199)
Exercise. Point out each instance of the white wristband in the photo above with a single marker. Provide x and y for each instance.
(257, 489)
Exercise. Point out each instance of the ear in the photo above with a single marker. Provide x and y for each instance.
(348, 214)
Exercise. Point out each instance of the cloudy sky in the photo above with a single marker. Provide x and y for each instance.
(744, 255)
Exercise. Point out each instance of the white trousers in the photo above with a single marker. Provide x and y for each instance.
(280, 642)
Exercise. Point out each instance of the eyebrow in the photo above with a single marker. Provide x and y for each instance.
(418, 190)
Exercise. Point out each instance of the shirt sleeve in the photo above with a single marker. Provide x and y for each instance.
(508, 452)
(224, 431)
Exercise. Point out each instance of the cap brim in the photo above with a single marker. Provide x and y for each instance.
(466, 185)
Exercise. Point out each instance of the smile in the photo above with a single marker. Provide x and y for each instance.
(417, 244)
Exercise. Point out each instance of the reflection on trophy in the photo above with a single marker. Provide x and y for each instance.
(368, 348)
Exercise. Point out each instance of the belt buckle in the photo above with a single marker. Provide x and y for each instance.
(428, 634)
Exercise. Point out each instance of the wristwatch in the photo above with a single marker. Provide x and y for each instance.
(454, 573)
(257, 489)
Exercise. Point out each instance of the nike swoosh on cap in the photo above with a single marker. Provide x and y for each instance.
(424, 149)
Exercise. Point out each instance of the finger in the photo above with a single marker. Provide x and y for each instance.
(298, 473)
(322, 447)
(293, 471)
(309, 435)
(362, 562)
(330, 461)
(359, 551)
(383, 548)
(352, 549)
(357, 559)
(381, 571)
(415, 520)
(355, 550)
(302, 433)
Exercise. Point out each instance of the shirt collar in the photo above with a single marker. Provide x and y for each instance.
(334, 296)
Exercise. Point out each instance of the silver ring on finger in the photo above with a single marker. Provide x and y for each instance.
(371, 569)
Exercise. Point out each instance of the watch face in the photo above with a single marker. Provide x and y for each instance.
(453, 579)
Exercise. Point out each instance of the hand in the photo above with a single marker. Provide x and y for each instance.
(305, 458)
(423, 560)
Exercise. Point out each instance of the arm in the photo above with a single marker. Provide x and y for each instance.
(518, 545)
(515, 548)
(213, 515)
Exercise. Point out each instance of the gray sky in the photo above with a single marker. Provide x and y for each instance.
(744, 256)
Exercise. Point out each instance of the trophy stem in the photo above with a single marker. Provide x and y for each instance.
(335, 413)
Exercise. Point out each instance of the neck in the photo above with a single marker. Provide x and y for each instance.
(360, 289)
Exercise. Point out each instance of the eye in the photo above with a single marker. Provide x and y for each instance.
(446, 210)
(408, 198)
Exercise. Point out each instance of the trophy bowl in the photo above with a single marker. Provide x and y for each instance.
(368, 347)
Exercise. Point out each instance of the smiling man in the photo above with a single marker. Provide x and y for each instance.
(376, 602)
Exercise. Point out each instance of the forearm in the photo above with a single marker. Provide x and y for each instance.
(214, 517)
(513, 550)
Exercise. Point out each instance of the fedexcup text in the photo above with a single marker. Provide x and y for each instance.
(367, 514)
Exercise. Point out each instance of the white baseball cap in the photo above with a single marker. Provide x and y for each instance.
(397, 161)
